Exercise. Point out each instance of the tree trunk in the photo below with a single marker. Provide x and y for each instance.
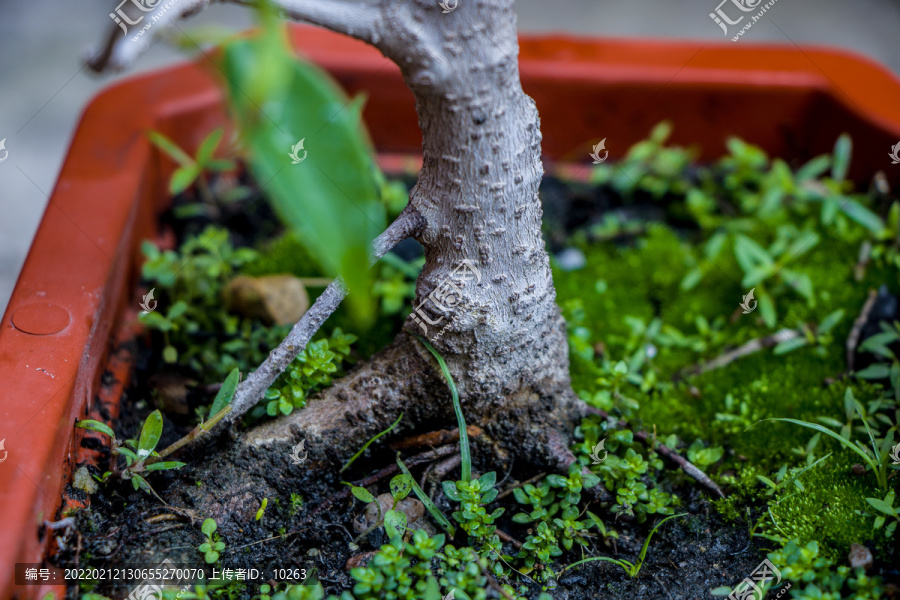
(485, 298)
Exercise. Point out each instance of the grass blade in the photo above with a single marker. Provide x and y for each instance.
(421, 495)
(369, 443)
(643, 554)
(466, 465)
(827, 431)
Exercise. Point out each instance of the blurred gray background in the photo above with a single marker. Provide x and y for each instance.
(43, 87)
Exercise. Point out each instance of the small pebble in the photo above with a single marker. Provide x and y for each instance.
(313, 552)
(860, 556)
(570, 259)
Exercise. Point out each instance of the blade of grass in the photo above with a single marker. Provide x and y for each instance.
(421, 495)
(826, 431)
(643, 554)
(369, 443)
(466, 464)
(627, 566)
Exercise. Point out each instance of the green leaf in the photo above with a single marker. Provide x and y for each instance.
(767, 309)
(423, 497)
(487, 480)
(862, 215)
(330, 198)
(164, 465)
(226, 392)
(394, 523)
(150, 434)
(262, 509)
(182, 179)
(451, 491)
(874, 371)
(170, 354)
(401, 486)
(208, 146)
(830, 321)
(170, 148)
(362, 493)
(209, 527)
(749, 254)
(722, 590)
(882, 506)
(96, 426)
(843, 148)
(790, 345)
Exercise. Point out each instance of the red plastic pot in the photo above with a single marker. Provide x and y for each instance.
(61, 356)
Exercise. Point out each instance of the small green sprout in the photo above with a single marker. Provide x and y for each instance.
(262, 509)
(213, 545)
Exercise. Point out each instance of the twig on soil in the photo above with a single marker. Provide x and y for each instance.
(686, 466)
(434, 438)
(493, 582)
(856, 331)
(389, 470)
(750, 347)
(508, 539)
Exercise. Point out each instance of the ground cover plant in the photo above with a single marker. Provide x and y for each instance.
(665, 440)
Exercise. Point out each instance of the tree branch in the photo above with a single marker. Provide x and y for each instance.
(358, 19)
(118, 51)
(252, 389)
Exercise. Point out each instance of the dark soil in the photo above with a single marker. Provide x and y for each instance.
(123, 527)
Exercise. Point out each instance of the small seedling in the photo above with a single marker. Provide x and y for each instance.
(262, 509)
(213, 545)
(632, 569)
(193, 169)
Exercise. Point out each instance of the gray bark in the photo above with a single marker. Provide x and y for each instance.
(477, 200)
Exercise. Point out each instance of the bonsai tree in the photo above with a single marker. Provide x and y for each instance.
(485, 297)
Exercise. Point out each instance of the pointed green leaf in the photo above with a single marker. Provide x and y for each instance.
(226, 392)
(150, 434)
(96, 426)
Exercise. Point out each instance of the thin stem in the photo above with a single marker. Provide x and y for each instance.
(195, 433)
(369, 443)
